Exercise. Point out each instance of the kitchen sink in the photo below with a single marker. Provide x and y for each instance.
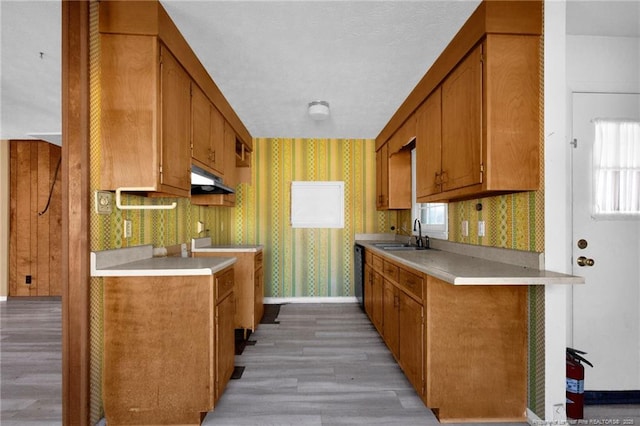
(398, 246)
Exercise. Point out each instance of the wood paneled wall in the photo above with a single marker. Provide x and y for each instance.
(35, 233)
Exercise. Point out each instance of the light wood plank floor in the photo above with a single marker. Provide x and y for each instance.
(322, 365)
(31, 362)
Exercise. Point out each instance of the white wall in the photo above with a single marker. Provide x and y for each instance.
(607, 65)
(557, 214)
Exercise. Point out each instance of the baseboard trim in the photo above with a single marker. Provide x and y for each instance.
(282, 300)
(611, 397)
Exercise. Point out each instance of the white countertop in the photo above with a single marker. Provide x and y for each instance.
(460, 269)
(204, 245)
(139, 261)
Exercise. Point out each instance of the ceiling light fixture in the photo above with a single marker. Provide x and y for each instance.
(319, 110)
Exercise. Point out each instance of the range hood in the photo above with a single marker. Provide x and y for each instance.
(203, 182)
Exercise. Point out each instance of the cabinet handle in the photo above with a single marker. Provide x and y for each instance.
(438, 180)
(444, 176)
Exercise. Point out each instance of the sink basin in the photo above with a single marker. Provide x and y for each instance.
(398, 246)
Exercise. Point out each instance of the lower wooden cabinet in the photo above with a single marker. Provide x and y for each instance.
(168, 347)
(249, 289)
(390, 318)
(225, 330)
(462, 347)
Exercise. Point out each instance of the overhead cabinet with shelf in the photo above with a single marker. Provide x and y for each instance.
(160, 109)
(393, 169)
(477, 109)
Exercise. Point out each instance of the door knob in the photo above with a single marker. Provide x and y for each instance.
(583, 261)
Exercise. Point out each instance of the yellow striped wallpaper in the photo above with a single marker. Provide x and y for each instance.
(308, 262)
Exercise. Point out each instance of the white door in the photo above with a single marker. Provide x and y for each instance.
(606, 320)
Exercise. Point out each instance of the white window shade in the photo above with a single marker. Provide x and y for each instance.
(616, 169)
(317, 204)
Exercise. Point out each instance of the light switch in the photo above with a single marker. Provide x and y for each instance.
(465, 228)
(481, 229)
(127, 228)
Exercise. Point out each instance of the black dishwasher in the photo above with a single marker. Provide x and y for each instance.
(358, 273)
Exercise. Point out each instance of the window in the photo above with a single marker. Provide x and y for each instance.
(433, 216)
(616, 169)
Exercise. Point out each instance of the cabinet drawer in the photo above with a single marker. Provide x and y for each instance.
(377, 263)
(257, 261)
(224, 283)
(390, 271)
(410, 282)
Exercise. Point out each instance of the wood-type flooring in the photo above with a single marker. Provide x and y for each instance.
(319, 364)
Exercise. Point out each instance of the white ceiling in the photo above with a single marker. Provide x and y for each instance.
(271, 58)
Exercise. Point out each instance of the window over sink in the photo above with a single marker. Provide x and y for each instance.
(433, 216)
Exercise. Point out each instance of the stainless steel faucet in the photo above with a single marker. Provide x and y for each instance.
(419, 238)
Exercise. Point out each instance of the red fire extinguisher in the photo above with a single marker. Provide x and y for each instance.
(575, 383)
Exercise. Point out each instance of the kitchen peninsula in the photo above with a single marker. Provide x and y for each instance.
(168, 335)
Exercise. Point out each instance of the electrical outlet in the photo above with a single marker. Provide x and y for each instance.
(199, 227)
(481, 229)
(27, 279)
(465, 228)
(127, 228)
(103, 202)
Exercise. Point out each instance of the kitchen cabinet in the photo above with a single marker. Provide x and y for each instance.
(390, 322)
(145, 116)
(207, 134)
(258, 301)
(374, 286)
(225, 329)
(478, 108)
(403, 319)
(478, 133)
(393, 170)
(249, 283)
(462, 347)
(147, 73)
(168, 346)
(230, 174)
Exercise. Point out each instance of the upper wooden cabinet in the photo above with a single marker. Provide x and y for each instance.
(150, 118)
(393, 169)
(207, 133)
(483, 124)
(478, 108)
(145, 116)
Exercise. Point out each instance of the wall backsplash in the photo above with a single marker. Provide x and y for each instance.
(308, 262)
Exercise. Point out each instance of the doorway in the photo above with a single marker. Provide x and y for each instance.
(606, 251)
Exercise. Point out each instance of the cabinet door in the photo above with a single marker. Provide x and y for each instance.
(462, 124)
(368, 291)
(429, 146)
(230, 173)
(411, 345)
(259, 297)
(225, 342)
(390, 321)
(382, 177)
(377, 301)
(200, 126)
(217, 141)
(175, 104)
